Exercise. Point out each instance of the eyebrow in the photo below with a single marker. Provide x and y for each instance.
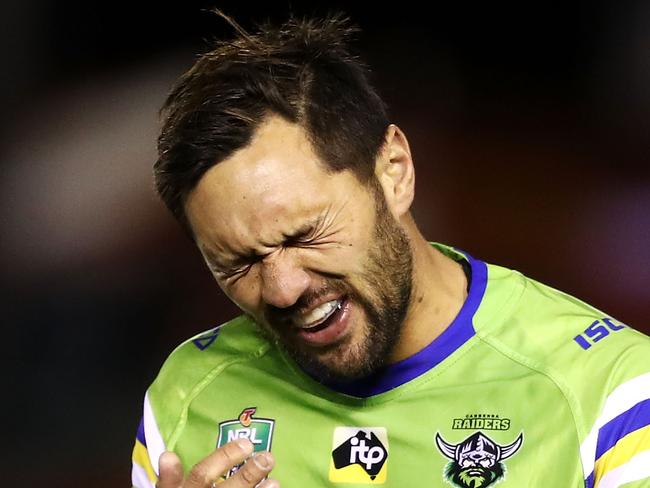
(306, 229)
(215, 260)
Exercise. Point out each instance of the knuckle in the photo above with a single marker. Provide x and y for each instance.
(198, 476)
(248, 475)
(230, 453)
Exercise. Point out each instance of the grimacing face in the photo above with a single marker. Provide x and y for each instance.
(315, 258)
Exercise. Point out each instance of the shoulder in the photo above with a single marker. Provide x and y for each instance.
(235, 339)
(557, 333)
(198, 361)
(192, 366)
(561, 332)
(551, 327)
(601, 365)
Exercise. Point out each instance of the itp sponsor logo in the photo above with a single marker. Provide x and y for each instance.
(359, 455)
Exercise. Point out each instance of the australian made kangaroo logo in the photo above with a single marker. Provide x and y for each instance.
(257, 430)
(477, 461)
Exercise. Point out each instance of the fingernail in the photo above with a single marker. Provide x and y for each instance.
(244, 444)
(262, 460)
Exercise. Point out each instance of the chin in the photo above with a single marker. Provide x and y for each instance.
(343, 362)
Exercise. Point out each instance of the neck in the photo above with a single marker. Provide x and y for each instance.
(438, 293)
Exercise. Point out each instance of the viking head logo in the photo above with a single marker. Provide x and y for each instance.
(476, 462)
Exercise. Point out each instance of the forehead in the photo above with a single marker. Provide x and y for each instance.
(265, 188)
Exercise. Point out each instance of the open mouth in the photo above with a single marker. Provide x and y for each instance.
(325, 323)
(318, 318)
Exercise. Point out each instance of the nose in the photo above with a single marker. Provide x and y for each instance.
(283, 280)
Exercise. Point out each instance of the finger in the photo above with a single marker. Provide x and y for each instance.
(216, 464)
(171, 471)
(270, 483)
(254, 471)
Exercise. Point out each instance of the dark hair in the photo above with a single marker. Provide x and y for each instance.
(302, 70)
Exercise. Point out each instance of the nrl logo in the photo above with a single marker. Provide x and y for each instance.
(476, 461)
(258, 431)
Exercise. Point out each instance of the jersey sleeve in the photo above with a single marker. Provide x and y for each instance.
(149, 445)
(616, 452)
(602, 367)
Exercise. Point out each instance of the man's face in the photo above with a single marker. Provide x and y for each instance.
(316, 259)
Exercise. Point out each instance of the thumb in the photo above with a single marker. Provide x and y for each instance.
(170, 471)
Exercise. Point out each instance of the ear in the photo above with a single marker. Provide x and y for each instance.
(395, 173)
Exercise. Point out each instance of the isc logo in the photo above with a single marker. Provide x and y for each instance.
(597, 331)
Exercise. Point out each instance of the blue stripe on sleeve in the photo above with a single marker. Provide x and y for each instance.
(140, 434)
(633, 419)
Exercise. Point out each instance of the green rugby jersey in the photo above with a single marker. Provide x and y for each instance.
(527, 387)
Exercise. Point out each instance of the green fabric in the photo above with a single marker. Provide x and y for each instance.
(521, 373)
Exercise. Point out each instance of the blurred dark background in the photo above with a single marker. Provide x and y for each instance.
(529, 125)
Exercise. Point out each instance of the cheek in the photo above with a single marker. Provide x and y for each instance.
(346, 255)
(244, 292)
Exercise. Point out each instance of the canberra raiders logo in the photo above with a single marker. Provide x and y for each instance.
(477, 461)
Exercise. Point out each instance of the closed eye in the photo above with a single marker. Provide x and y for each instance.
(299, 240)
(242, 266)
(229, 272)
(314, 236)
(314, 239)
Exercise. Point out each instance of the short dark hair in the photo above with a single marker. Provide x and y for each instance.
(302, 70)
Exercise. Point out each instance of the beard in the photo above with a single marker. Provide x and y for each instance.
(474, 477)
(384, 297)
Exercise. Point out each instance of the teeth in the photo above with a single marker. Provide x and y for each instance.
(317, 315)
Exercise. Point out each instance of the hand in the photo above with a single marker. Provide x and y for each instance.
(209, 471)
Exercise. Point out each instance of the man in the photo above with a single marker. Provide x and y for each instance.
(365, 354)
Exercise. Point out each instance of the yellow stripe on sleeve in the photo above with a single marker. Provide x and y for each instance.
(624, 450)
(141, 457)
